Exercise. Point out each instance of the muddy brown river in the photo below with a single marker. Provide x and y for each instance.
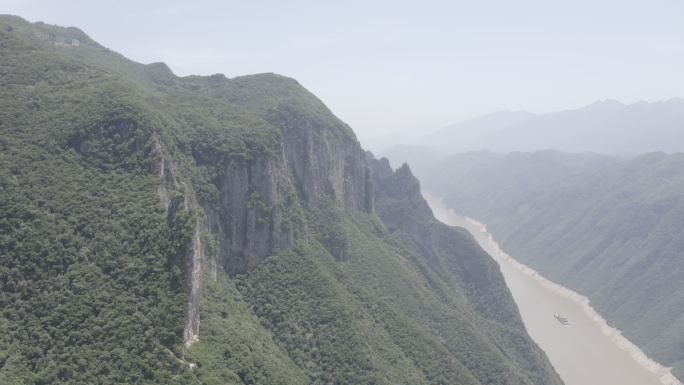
(588, 351)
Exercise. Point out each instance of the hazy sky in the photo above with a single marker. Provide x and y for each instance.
(393, 66)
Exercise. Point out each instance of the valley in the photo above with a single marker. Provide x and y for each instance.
(587, 351)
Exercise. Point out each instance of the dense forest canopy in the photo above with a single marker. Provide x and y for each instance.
(205, 230)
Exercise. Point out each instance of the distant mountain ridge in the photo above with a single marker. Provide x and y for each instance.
(615, 234)
(609, 228)
(608, 127)
(469, 135)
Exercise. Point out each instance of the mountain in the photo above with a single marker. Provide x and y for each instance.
(616, 236)
(487, 185)
(607, 127)
(380, 143)
(472, 134)
(420, 158)
(205, 230)
(608, 228)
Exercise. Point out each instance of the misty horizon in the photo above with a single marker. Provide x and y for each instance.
(390, 68)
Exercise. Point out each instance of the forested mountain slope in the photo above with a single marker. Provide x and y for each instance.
(205, 230)
(612, 231)
(486, 185)
(617, 236)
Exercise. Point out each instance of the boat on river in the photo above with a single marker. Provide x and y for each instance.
(564, 321)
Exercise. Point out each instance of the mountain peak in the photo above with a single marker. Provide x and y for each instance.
(57, 35)
(606, 104)
(615, 128)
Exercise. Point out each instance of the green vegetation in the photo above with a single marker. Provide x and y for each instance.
(106, 168)
(235, 348)
(483, 184)
(611, 230)
(384, 317)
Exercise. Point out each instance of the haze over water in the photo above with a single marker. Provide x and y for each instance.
(581, 353)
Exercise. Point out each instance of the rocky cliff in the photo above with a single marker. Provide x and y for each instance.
(316, 158)
(205, 230)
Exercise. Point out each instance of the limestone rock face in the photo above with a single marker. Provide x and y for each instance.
(316, 159)
(325, 160)
(398, 185)
(248, 220)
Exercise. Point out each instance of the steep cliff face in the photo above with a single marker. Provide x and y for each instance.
(325, 160)
(404, 211)
(248, 218)
(205, 230)
(321, 152)
(170, 185)
(317, 159)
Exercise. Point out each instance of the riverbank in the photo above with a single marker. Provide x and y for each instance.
(591, 351)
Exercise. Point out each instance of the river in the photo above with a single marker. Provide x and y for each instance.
(588, 351)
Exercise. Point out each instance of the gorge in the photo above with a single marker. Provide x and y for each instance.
(589, 350)
(159, 229)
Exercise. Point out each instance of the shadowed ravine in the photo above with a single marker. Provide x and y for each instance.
(587, 352)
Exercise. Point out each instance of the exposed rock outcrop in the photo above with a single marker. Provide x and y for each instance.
(192, 320)
(169, 184)
(255, 213)
(317, 159)
(326, 161)
(403, 210)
